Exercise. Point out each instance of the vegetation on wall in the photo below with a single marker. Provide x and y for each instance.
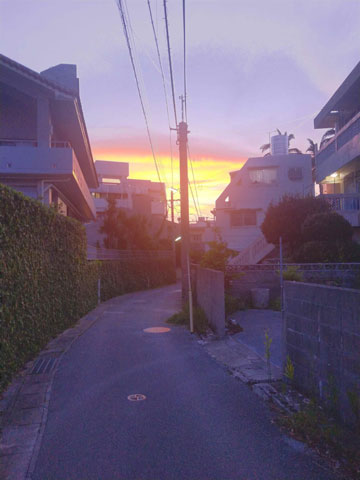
(46, 282)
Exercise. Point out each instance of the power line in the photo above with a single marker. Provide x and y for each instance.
(164, 87)
(123, 19)
(184, 45)
(194, 181)
(170, 63)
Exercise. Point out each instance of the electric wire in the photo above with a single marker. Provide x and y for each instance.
(164, 88)
(132, 36)
(194, 181)
(170, 63)
(126, 33)
(184, 48)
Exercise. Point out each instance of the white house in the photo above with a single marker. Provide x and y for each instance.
(241, 208)
(44, 147)
(338, 161)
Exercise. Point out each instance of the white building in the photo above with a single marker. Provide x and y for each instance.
(44, 147)
(241, 208)
(138, 196)
(141, 197)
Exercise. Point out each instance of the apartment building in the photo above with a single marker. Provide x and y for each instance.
(44, 147)
(338, 160)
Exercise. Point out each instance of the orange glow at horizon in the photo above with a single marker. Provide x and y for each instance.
(211, 175)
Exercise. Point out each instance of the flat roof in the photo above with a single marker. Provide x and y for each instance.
(346, 98)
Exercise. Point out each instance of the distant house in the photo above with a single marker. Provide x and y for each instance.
(140, 197)
(201, 233)
(241, 208)
(338, 161)
(44, 147)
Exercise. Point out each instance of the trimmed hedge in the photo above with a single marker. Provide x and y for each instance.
(46, 282)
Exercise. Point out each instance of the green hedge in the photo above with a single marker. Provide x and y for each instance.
(46, 282)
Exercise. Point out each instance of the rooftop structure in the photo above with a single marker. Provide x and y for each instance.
(44, 147)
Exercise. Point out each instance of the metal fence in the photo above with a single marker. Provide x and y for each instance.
(300, 266)
(94, 253)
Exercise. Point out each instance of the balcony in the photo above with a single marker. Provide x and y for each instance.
(342, 149)
(347, 205)
(23, 160)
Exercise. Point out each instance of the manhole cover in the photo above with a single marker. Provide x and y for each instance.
(136, 397)
(157, 330)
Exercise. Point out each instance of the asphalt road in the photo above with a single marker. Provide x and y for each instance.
(197, 422)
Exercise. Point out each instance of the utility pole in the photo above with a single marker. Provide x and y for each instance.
(172, 206)
(184, 205)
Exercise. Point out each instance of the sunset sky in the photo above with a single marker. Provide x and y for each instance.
(252, 66)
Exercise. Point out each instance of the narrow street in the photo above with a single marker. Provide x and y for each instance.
(197, 422)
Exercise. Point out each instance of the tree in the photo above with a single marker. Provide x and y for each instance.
(328, 135)
(328, 238)
(326, 227)
(285, 219)
(125, 232)
(218, 256)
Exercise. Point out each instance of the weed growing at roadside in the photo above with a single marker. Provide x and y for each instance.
(267, 343)
(201, 324)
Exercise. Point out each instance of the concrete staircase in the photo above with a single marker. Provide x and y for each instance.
(254, 253)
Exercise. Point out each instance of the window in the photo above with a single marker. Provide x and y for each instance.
(295, 173)
(242, 218)
(265, 176)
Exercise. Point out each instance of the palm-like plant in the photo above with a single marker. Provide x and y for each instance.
(328, 135)
(291, 136)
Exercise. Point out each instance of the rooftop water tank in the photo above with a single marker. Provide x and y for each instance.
(279, 145)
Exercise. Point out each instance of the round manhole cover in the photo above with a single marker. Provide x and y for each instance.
(136, 397)
(157, 330)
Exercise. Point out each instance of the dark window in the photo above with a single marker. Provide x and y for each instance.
(295, 173)
(242, 218)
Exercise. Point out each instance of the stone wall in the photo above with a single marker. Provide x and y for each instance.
(210, 296)
(322, 339)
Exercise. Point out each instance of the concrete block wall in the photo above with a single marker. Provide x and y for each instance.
(210, 297)
(242, 284)
(322, 337)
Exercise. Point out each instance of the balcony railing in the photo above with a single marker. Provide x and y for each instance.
(343, 202)
(345, 135)
(4, 142)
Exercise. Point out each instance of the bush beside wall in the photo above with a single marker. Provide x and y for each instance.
(46, 282)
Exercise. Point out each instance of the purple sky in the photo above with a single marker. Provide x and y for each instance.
(253, 66)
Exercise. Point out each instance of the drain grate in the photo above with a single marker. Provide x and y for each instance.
(44, 365)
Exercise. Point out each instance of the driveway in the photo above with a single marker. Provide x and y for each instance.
(255, 323)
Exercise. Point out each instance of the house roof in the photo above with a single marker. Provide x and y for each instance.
(346, 98)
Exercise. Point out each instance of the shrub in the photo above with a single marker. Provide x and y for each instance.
(293, 274)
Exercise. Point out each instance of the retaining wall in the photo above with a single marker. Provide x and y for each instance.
(211, 298)
(322, 337)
